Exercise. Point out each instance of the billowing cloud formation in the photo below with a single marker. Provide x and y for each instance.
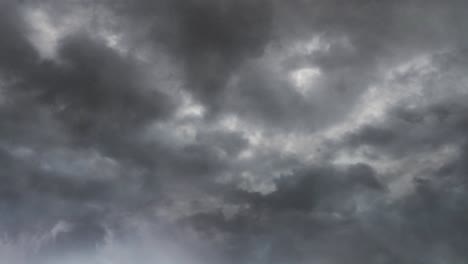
(230, 131)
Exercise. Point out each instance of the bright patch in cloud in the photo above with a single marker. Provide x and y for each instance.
(303, 79)
(44, 34)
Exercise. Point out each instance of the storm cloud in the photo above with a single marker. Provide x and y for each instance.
(233, 131)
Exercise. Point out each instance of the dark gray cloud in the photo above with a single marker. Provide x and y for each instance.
(233, 131)
(415, 130)
(220, 35)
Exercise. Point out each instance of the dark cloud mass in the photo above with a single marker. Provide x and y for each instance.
(233, 131)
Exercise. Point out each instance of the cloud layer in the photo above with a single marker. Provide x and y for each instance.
(230, 131)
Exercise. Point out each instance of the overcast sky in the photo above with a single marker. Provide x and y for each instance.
(233, 132)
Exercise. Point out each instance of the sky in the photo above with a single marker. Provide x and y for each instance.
(233, 131)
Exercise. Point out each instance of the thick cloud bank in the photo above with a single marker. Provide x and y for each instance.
(233, 131)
